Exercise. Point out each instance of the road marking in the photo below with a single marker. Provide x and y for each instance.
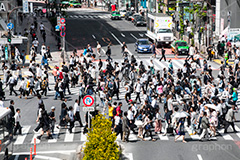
(46, 157)
(141, 35)
(93, 36)
(35, 136)
(116, 38)
(122, 34)
(69, 136)
(20, 139)
(55, 135)
(46, 152)
(16, 157)
(162, 137)
(177, 64)
(83, 137)
(128, 156)
(199, 157)
(70, 16)
(225, 136)
(133, 36)
(103, 51)
(132, 136)
(238, 130)
(75, 16)
(194, 137)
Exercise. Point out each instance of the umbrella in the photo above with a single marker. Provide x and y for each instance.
(28, 73)
(180, 114)
(212, 106)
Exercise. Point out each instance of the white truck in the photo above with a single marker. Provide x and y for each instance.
(159, 28)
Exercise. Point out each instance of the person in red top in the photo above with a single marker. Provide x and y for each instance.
(118, 109)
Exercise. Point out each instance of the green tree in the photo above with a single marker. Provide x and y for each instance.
(101, 143)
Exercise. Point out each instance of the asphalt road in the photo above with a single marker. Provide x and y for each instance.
(83, 29)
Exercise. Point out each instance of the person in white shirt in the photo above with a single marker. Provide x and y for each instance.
(99, 47)
(77, 113)
(35, 43)
(39, 71)
(71, 117)
(17, 54)
(191, 53)
(17, 127)
(93, 72)
(138, 90)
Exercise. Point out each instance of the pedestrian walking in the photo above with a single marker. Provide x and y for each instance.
(52, 118)
(77, 113)
(180, 130)
(204, 125)
(125, 127)
(17, 127)
(71, 118)
(229, 119)
(99, 47)
(163, 54)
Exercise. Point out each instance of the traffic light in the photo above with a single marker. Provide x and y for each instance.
(9, 38)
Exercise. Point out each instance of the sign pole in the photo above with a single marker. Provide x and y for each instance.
(89, 121)
(63, 49)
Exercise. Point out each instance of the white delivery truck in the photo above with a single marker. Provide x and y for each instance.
(159, 28)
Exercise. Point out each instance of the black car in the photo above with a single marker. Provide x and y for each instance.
(139, 20)
(128, 15)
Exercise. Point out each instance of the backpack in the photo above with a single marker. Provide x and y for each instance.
(65, 69)
(43, 84)
(177, 90)
(115, 111)
(60, 75)
(216, 92)
(130, 89)
(110, 85)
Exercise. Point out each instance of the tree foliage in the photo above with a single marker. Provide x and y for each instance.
(101, 143)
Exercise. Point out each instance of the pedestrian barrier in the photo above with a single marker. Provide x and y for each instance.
(30, 153)
(34, 152)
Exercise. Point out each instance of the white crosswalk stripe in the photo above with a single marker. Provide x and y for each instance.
(84, 16)
(69, 137)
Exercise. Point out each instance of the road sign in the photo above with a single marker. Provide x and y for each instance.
(88, 101)
(57, 28)
(88, 109)
(63, 28)
(62, 20)
(58, 21)
(10, 26)
(25, 6)
(62, 34)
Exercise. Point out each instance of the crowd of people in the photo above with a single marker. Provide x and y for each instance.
(179, 95)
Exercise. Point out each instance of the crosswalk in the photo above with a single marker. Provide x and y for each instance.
(94, 16)
(160, 65)
(62, 135)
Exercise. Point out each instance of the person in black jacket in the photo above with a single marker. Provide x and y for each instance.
(116, 86)
(66, 82)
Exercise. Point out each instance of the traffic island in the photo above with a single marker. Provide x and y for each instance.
(101, 142)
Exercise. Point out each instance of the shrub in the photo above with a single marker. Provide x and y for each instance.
(101, 143)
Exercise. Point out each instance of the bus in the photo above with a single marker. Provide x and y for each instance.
(6, 130)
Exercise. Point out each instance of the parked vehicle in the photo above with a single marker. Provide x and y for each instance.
(143, 46)
(182, 47)
(159, 28)
(115, 15)
(139, 20)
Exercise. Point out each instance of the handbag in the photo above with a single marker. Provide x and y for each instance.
(68, 119)
(147, 127)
